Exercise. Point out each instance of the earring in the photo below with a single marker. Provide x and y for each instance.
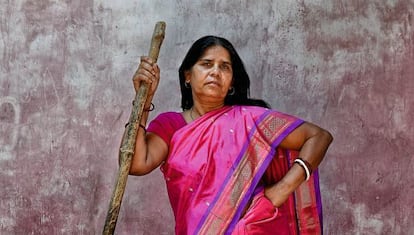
(187, 85)
(231, 91)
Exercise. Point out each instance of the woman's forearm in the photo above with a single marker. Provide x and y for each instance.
(312, 151)
(139, 158)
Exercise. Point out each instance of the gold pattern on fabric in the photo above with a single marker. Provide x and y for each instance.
(215, 227)
(272, 126)
(242, 178)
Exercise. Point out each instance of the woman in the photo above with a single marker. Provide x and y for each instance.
(231, 165)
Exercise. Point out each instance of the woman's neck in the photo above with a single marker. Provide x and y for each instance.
(201, 109)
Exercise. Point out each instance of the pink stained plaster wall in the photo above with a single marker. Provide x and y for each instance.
(66, 91)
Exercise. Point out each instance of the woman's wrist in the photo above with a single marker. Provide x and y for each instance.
(280, 192)
(143, 128)
(149, 107)
(277, 194)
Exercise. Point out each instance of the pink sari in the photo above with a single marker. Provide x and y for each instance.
(218, 166)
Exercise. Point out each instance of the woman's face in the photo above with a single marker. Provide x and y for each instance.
(211, 76)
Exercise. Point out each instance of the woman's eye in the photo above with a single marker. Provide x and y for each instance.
(225, 67)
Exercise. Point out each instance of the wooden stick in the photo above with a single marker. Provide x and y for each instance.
(126, 151)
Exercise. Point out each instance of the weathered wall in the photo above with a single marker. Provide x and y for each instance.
(66, 91)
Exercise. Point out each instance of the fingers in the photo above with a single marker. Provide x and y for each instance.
(156, 73)
(147, 72)
(156, 69)
(146, 67)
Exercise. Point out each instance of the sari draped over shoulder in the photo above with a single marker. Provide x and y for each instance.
(218, 166)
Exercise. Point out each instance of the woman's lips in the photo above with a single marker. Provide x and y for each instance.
(213, 83)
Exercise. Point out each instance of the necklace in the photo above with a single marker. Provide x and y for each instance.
(191, 114)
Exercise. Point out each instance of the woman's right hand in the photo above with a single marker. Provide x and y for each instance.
(148, 72)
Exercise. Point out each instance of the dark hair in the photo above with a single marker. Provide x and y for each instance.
(241, 81)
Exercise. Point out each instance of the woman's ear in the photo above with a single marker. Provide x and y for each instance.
(187, 75)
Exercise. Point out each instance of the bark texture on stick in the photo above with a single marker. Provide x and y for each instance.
(126, 151)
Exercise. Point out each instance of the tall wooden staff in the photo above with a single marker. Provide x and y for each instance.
(126, 151)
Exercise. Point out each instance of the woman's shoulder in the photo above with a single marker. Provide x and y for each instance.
(251, 109)
(166, 124)
(259, 111)
(170, 115)
(175, 119)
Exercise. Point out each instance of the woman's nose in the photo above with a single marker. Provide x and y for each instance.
(215, 70)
